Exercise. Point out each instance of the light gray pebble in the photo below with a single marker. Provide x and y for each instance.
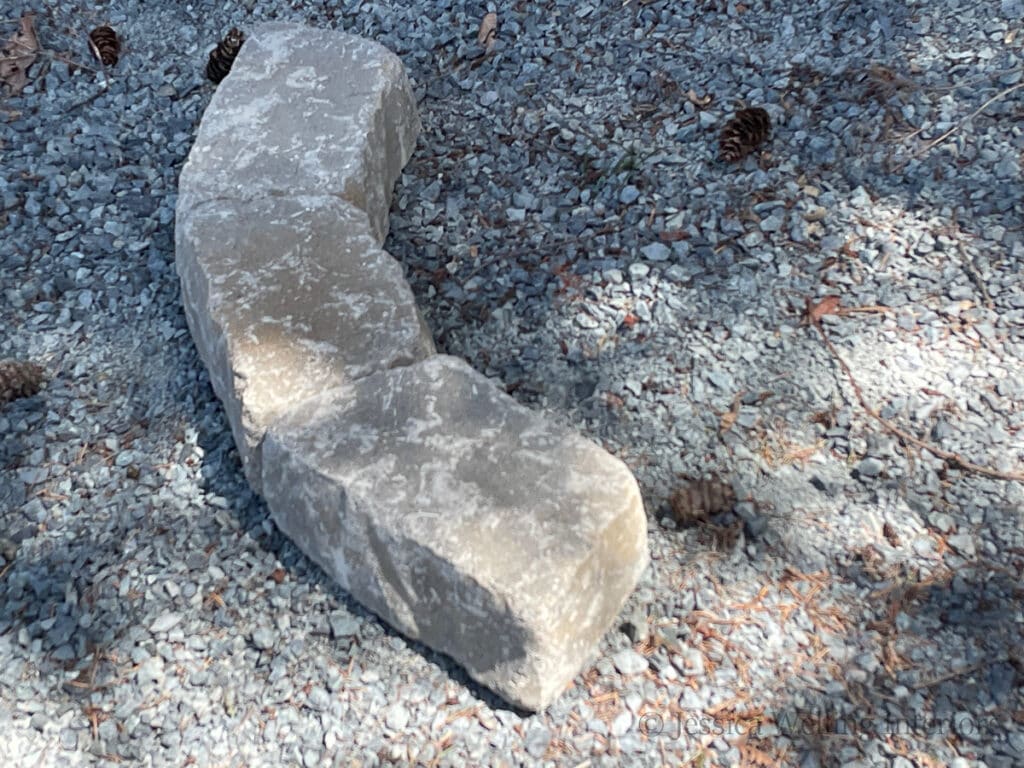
(263, 639)
(656, 251)
(397, 717)
(870, 466)
(165, 622)
(629, 662)
(941, 521)
(537, 741)
(963, 543)
(318, 699)
(68, 739)
(629, 195)
(622, 723)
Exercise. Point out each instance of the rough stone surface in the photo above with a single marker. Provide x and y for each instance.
(459, 516)
(462, 518)
(306, 111)
(287, 297)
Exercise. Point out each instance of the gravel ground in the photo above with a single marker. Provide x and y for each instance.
(567, 228)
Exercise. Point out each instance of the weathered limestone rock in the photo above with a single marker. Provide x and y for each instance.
(306, 111)
(460, 517)
(463, 519)
(287, 297)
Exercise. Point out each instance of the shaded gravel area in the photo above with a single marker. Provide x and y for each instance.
(568, 229)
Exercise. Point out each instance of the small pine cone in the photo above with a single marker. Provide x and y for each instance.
(19, 379)
(748, 129)
(700, 499)
(223, 56)
(105, 45)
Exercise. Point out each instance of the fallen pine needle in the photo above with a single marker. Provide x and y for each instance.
(953, 458)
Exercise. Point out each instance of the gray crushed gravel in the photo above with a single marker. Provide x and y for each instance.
(567, 228)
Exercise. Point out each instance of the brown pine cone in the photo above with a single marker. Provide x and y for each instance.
(19, 379)
(105, 45)
(700, 499)
(223, 56)
(747, 130)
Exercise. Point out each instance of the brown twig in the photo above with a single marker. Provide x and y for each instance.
(953, 458)
(957, 673)
(931, 144)
(874, 309)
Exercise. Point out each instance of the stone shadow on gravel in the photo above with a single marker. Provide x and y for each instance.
(979, 688)
(255, 522)
(72, 649)
(13, 451)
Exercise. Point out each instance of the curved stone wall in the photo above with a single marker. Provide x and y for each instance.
(462, 518)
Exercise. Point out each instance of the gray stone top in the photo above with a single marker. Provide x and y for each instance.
(306, 111)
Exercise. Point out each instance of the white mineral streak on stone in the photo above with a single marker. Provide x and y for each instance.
(463, 519)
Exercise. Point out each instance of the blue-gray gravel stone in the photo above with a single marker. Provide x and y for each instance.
(870, 467)
(263, 639)
(629, 195)
(629, 662)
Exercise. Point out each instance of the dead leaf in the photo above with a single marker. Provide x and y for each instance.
(673, 235)
(613, 401)
(729, 417)
(700, 499)
(18, 54)
(488, 31)
(827, 419)
(699, 101)
(827, 306)
(278, 575)
(889, 531)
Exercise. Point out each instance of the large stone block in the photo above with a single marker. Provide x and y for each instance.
(287, 297)
(306, 111)
(465, 520)
(462, 518)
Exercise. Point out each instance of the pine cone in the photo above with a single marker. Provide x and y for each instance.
(105, 45)
(223, 56)
(700, 499)
(19, 379)
(748, 129)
